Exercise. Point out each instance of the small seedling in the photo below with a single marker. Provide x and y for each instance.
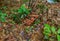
(58, 35)
(53, 30)
(2, 16)
(23, 11)
(47, 31)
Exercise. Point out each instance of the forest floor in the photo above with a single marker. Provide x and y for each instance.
(32, 26)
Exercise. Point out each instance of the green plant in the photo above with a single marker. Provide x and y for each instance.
(23, 11)
(2, 16)
(58, 37)
(58, 34)
(46, 31)
(53, 30)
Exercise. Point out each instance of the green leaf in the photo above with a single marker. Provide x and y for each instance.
(58, 34)
(58, 37)
(23, 11)
(47, 29)
(53, 29)
(58, 31)
(20, 11)
(2, 17)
